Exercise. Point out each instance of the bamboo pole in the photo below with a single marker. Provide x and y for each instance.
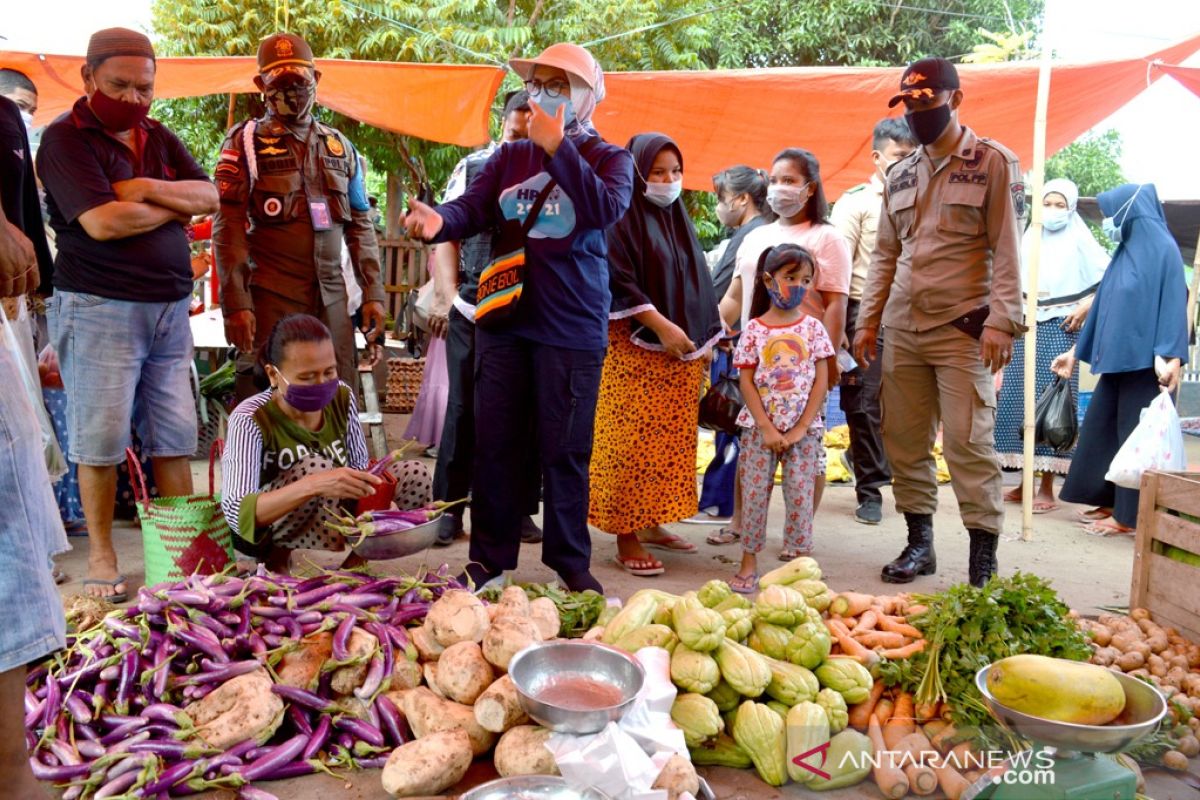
(1038, 178)
(232, 108)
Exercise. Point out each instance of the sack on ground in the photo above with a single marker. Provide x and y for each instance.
(1156, 443)
(1056, 420)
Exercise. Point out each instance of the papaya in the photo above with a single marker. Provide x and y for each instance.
(1057, 689)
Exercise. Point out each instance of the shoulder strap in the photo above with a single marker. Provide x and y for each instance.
(536, 209)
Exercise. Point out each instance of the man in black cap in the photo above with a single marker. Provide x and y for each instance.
(945, 284)
(297, 185)
(457, 266)
(120, 188)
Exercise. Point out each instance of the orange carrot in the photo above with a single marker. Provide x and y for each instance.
(892, 781)
(850, 647)
(860, 713)
(883, 639)
(922, 780)
(953, 784)
(901, 723)
(909, 650)
(851, 604)
(895, 625)
(866, 622)
(883, 710)
(888, 605)
(934, 727)
(926, 711)
(914, 610)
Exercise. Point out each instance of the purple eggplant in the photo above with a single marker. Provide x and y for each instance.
(257, 753)
(123, 746)
(305, 698)
(361, 730)
(374, 762)
(209, 645)
(283, 754)
(222, 674)
(295, 769)
(363, 599)
(300, 720)
(313, 596)
(209, 622)
(100, 695)
(341, 638)
(58, 774)
(272, 627)
(269, 612)
(374, 677)
(64, 752)
(129, 665)
(123, 629)
(116, 786)
(272, 641)
(392, 722)
(122, 731)
(169, 777)
(53, 702)
(78, 709)
(319, 737)
(86, 732)
(250, 793)
(33, 718)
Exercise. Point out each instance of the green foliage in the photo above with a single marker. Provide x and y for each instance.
(1093, 162)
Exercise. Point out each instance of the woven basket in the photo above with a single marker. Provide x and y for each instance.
(403, 384)
(182, 536)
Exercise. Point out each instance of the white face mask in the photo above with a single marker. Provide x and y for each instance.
(663, 194)
(27, 118)
(785, 200)
(1055, 219)
(1110, 225)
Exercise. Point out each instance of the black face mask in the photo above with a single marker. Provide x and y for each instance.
(929, 124)
(291, 102)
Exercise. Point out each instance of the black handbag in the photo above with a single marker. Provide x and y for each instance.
(722, 403)
(1056, 419)
(503, 279)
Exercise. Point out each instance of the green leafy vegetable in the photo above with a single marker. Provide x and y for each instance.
(578, 611)
(968, 629)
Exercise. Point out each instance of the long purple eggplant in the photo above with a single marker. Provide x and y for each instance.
(169, 777)
(222, 674)
(305, 698)
(283, 754)
(116, 786)
(78, 709)
(362, 730)
(374, 677)
(319, 737)
(251, 793)
(58, 774)
(392, 721)
(341, 638)
(316, 595)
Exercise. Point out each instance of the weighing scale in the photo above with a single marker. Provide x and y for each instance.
(1069, 761)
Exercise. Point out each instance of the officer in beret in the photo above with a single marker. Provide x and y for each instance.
(292, 192)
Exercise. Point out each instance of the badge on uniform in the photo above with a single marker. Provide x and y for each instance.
(272, 206)
(335, 145)
(318, 212)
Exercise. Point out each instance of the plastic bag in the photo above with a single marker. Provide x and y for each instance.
(722, 403)
(18, 339)
(1156, 443)
(1056, 420)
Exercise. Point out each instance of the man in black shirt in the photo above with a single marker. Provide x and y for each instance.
(120, 188)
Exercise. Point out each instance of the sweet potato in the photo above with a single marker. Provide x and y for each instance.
(508, 636)
(544, 614)
(241, 708)
(427, 646)
(429, 672)
(427, 713)
(678, 777)
(405, 674)
(302, 667)
(462, 672)
(457, 616)
(427, 766)
(513, 600)
(499, 708)
(522, 751)
(922, 780)
(361, 646)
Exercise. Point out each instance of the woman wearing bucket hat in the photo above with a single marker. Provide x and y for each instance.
(544, 357)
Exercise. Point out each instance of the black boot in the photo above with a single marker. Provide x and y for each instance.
(983, 563)
(918, 558)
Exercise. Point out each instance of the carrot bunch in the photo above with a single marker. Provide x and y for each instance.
(869, 627)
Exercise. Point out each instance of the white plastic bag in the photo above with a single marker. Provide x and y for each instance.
(17, 338)
(1156, 443)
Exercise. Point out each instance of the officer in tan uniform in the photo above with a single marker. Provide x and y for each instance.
(945, 284)
(291, 193)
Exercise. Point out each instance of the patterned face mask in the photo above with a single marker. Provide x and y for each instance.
(292, 101)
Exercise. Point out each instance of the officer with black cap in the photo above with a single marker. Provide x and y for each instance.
(292, 192)
(945, 283)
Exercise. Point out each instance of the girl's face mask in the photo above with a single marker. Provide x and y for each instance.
(785, 297)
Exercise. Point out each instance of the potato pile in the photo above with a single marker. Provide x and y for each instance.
(458, 699)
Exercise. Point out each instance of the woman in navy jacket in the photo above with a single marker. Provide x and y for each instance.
(543, 363)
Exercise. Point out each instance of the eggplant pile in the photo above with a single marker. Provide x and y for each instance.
(121, 712)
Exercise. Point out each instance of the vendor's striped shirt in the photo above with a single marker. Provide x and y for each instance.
(262, 443)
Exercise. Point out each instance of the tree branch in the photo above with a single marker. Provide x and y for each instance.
(533, 17)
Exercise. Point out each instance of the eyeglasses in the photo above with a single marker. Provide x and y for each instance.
(552, 89)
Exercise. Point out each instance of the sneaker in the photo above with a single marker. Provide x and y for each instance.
(530, 532)
(869, 512)
(706, 518)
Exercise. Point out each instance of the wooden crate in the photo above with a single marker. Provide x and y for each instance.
(405, 264)
(1169, 589)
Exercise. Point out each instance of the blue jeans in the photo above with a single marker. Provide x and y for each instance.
(120, 361)
(30, 531)
(516, 381)
(720, 476)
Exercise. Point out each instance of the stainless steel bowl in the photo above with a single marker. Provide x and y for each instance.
(533, 787)
(398, 544)
(537, 664)
(1144, 708)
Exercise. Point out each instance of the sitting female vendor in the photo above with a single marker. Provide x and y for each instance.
(296, 451)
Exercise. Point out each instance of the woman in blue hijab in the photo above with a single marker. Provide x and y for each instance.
(1140, 312)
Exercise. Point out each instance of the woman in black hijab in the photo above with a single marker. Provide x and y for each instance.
(662, 327)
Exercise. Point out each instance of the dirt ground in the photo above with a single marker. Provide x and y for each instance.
(1088, 572)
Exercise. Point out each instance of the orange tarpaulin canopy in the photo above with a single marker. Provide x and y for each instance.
(727, 117)
(439, 102)
(1188, 76)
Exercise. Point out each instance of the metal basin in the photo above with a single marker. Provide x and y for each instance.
(398, 544)
(533, 787)
(1144, 708)
(533, 668)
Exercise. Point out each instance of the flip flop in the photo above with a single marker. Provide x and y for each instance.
(746, 585)
(1100, 528)
(676, 544)
(641, 572)
(1094, 515)
(118, 597)
(723, 536)
(1043, 507)
(1008, 498)
(704, 518)
(792, 555)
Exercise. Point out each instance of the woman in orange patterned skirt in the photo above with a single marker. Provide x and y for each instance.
(662, 327)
